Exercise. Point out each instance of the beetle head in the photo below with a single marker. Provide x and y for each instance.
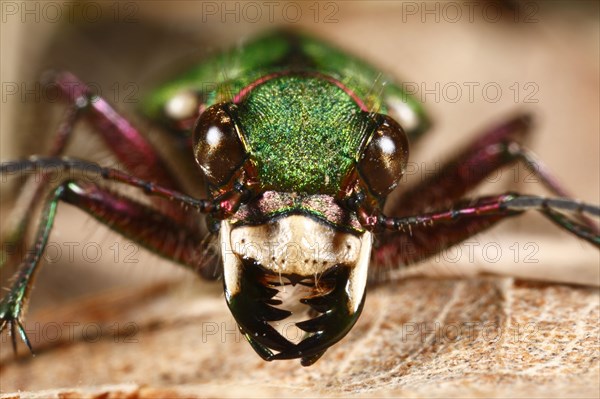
(281, 238)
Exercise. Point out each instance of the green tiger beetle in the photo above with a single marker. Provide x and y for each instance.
(298, 153)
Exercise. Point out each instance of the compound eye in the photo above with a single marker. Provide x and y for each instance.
(383, 160)
(218, 149)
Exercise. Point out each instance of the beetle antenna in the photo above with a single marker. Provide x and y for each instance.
(87, 170)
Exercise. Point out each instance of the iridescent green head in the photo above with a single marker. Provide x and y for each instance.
(305, 147)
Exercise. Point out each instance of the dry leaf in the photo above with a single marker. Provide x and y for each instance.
(484, 336)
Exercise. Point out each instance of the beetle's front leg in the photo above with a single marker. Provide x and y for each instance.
(504, 206)
(123, 140)
(153, 229)
(13, 232)
(494, 149)
(423, 235)
(13, 305)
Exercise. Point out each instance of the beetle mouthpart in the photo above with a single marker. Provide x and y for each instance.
(336, 318)
(331, 284)
(253, 307)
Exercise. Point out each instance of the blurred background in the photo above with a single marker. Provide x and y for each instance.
(474, 63)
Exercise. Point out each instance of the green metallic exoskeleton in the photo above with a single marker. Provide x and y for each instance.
(223, 76)
(305, 131)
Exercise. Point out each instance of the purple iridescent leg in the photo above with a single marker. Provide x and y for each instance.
(122, 139)
(130, 147)
(426, 233)
(14, 230)
(155, 230)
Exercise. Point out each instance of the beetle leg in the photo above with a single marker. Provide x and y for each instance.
(429, 233)
(134, 151)
(20, 217)
(144, 224)
(49, 166)
(394, 250)
(129, 146)
(90, 170)
(465, 170)
(496, 148)
(506, 205)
